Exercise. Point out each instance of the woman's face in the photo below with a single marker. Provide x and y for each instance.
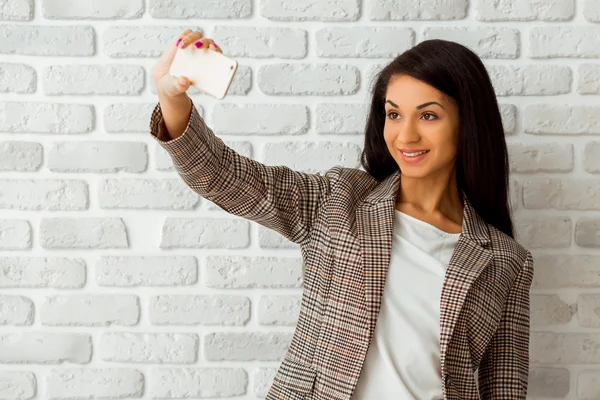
(421, 128)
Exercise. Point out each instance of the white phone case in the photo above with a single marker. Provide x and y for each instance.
(208, 70)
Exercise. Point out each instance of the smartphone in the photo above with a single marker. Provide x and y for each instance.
(208, 70)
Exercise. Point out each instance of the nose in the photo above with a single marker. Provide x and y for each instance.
(407, 132)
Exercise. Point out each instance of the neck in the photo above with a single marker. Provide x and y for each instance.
(433, 194)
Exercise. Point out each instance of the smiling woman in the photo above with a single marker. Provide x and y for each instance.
(412, 277)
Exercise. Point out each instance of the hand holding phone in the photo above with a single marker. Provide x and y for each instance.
(208, 70)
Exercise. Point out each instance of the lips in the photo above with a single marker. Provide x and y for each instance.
(413, 152)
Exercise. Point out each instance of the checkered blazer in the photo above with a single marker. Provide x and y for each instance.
(343, 222)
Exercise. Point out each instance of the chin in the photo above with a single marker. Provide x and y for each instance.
(414, 172)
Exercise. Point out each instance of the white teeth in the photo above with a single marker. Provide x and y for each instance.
(418, 153)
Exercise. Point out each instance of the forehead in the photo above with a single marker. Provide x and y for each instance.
(408, 90)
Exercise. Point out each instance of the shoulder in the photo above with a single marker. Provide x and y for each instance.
(507, 249)
(344, 179)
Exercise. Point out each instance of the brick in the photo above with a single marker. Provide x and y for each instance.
(252, 272)
(549, 310)
(310, 10)
(205, 233)
(42, 272)
(18, 385)
(16, 10)
(83, 233)
(591, 157)
(341, 119)
(556, 119)
(587, 310)
(246, 346)
(183, 9)
(551, 271)
(591, 10)
(128, 117)
(93, 9)
(139, 40)
(390, 10)
(588, 75)
(561, 194)
(15, 310)
(308, 79)
(239, 41)
(544, 157)
(260, 119)
(180, 383)
(165, 163)
(194, 310)
(530, 80)
(17, 78)
(544, 232)
(508, 112)
(157, 194)
(525, 10)
(90, 310)
(564, 41)
(587, 232)
(110, 79)
(15, 234)
(44, 194)
(270, 239)
(263, 380)
(565, 348)
(279, 310)
(37, 40)
(132, 271)
(549, 382)
(37, 117)
(93, 383)
(588, 384)
(487, 42)
(100, 157)
(45, 348)
(363, 42)
(312, 157)
(20, 156)
(134, 347)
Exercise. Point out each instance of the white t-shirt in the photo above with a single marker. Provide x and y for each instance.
(403, 360)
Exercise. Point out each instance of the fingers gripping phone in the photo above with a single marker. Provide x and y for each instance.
(207, 70)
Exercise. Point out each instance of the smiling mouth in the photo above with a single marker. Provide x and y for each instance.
(414, 153)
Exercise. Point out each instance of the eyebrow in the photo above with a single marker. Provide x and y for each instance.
(418, 107)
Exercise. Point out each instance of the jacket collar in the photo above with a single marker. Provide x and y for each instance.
(473, 226)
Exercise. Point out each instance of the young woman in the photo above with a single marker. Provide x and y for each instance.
(414, 287)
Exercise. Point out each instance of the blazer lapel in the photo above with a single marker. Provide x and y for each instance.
(374, 222)
(469, 258)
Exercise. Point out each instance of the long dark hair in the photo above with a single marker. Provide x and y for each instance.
(482, 161)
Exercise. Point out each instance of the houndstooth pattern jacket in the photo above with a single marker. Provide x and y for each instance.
(343, 222)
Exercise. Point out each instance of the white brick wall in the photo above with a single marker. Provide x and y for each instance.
(117, 281)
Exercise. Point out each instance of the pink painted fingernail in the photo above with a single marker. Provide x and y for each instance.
(213, 45)
(179, 41)
(198, 44)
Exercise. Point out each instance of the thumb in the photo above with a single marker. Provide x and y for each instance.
(183, 83)
(174, 86)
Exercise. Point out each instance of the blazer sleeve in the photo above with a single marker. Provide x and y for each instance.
(276, 197)
(504, 369)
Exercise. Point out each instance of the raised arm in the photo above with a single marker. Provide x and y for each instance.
(274, 196)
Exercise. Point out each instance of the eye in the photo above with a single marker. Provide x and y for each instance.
(391, 114)
(426, 119)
